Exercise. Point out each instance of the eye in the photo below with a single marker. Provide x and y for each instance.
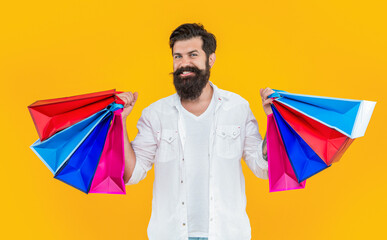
(177, 56)
(194, 54)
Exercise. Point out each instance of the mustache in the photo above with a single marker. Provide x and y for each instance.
(183, 69)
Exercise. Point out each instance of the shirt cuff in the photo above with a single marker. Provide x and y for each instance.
(262, 163)
(136, 174)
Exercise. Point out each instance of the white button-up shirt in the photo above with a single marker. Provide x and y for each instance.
(160, 141)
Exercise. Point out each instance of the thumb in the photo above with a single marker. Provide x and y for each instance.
(135, 96)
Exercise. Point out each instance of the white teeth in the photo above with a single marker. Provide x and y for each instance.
(185, 72)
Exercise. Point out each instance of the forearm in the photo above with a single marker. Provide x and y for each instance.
(130, 156)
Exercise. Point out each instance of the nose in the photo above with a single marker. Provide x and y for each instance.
(185, 62)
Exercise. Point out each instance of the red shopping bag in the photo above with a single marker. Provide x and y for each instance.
(53, 115)
(326, 142)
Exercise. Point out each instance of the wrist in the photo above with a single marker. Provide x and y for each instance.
(268, 111)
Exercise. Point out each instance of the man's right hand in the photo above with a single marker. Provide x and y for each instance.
(130, 99)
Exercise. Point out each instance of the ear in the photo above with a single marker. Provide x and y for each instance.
(211, 59)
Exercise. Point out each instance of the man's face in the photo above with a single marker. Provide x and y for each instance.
(191, 68)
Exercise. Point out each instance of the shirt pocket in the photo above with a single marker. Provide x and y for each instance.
(168, 147)
(228, 141)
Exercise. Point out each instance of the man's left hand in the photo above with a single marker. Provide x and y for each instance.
(265, 100)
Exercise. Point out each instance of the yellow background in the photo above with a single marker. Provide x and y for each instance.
(52, 49)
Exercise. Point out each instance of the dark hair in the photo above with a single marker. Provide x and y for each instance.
(190, 30)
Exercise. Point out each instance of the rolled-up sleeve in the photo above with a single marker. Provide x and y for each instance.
(252, 151)
(144, 146)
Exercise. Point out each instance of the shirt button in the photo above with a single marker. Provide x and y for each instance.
(182, 159)
(182, 203)
(183, 224)
(211, 219)
(181, 181)
(223, 133)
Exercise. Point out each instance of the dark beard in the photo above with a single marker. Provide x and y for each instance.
(191, 87)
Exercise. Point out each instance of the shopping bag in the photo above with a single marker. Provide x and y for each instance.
(53, 115)
(79, 170)
(108, 177)
(281, 174)
(326, 142)
(57, 149)
(73, 133)
(350, 117)
(304, 160)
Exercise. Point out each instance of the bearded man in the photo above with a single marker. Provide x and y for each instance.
(196, 139)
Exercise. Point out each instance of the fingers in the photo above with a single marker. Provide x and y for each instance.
(265, 93)
(129, 98)
(268, 101)
(124, 98)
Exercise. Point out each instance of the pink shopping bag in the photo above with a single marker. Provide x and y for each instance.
(281, 174)
(108, 177)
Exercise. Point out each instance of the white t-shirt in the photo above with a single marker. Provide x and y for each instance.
(197, 169)
(159, 144)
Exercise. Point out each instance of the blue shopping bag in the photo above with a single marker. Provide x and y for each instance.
(350, 117)
(79, 170)
(304, 160)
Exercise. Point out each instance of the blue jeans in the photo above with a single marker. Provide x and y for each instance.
(197, 238)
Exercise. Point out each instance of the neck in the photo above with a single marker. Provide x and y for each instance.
(205, 96)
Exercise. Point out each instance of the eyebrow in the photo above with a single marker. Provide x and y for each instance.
(188, 52)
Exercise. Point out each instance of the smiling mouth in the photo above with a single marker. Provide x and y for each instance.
(186, 73)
